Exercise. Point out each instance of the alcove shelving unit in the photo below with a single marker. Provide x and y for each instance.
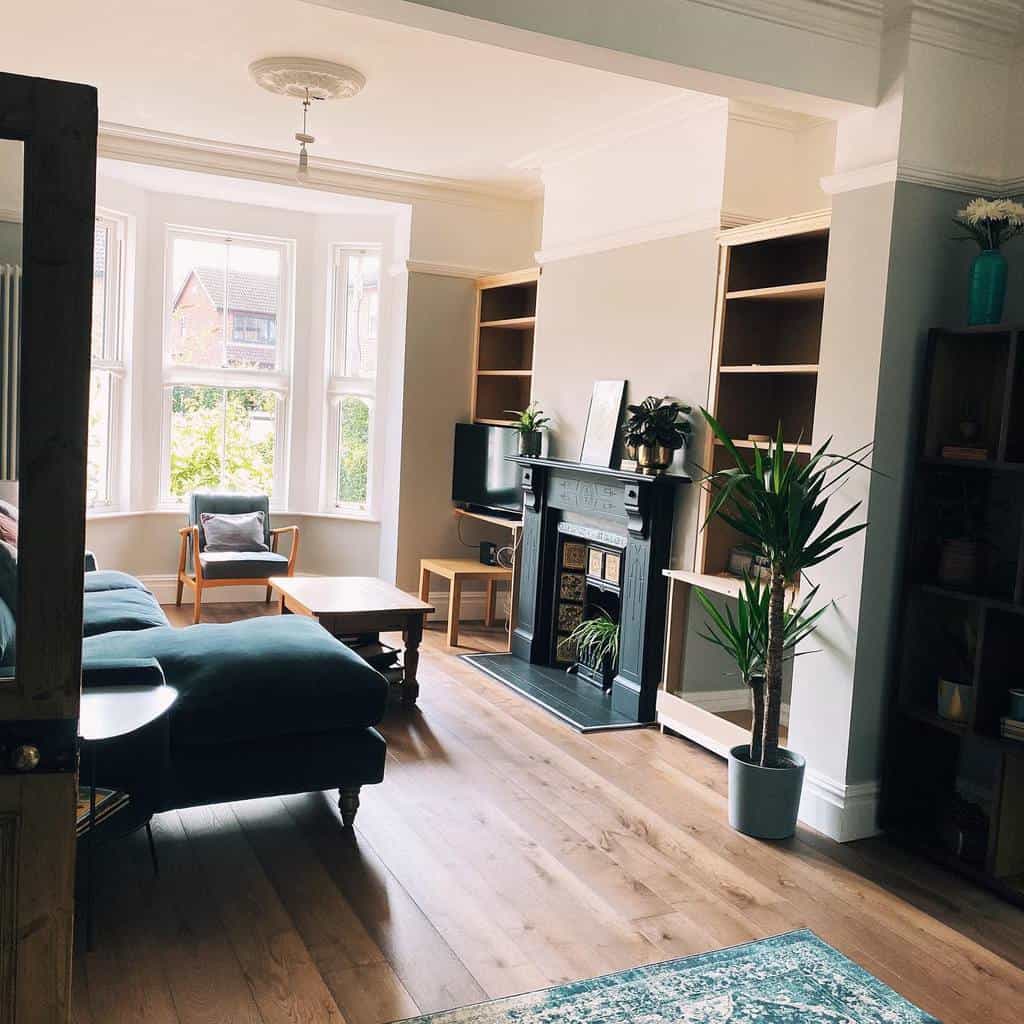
(764, 373)
(764, 359)
(506, 314)
(954, 789)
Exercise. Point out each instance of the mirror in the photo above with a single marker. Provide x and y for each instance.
(11, 193)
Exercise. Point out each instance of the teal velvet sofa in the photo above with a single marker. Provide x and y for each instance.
(267, 706)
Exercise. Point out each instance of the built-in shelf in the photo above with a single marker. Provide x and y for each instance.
(995, 465)
(805, 291)
(771, 368)
(503, 351)
(765, 352)
(516, 323)
(930, 717)
(763, 445)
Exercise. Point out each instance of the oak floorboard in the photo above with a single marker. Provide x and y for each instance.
(504, 852)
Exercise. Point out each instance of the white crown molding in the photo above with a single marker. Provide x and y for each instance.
(861, 177)
(439, 269)
(165, 149)
(853, 21)
(11, 216)
(701, 220)
(738, 219)
(843, 812)
(745, 112)
(662, 114)
(986, 29)
(920, 174)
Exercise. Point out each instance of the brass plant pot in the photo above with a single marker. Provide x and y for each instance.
(653, 458)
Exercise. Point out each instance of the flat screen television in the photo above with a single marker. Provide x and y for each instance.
(483, 478)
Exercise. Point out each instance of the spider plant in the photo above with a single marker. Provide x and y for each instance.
(596, 640)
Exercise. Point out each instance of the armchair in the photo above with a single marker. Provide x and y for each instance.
(201, 569)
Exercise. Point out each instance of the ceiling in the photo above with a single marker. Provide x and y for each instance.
(433, 104)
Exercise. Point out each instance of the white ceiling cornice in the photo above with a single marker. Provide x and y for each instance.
(920, 174)
(663, 113)
(855, 21)
(773, 117)
(987, 29)
(165, 149)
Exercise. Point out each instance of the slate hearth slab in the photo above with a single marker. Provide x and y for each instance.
(569, 697)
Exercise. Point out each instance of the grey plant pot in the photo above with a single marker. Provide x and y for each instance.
(763, 802)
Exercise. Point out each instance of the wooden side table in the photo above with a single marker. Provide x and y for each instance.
(457, 571)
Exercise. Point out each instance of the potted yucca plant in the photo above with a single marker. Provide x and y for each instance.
(776, 502)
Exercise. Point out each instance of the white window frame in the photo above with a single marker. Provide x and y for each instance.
(114, 360)
(340, 386)
(279, 381)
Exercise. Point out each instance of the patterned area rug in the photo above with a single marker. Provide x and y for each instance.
(788, 979)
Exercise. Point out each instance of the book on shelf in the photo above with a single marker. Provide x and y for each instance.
(108, 802)
(1012, 728)
(963, 451)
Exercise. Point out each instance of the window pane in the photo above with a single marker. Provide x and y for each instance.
(196, 329)
(197, 432)
(362, 310)
(100, 255)
(353, 452)
(100, 419)
(254, 300)
(251, 425)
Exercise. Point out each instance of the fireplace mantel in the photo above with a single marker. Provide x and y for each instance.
(640, 509)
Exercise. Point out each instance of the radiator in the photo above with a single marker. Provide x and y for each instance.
(10, 349)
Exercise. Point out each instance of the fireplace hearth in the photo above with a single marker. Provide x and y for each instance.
(594, 540)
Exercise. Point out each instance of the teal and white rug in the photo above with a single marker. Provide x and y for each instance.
(788, 979)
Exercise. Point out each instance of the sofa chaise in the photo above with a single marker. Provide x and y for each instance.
(267, 706)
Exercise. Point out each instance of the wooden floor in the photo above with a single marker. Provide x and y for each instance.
(505, 852)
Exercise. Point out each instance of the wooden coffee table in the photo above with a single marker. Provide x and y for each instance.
(359, 606)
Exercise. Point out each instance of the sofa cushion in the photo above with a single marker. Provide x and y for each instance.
(263, 677)
(108, 611)
(111, 579)
(238, 565)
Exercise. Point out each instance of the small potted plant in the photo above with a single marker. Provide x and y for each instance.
(530, 422)
(596, 642)
(990, 223)
(655, 430)
(776, 503)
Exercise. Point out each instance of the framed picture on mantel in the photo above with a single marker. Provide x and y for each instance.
(603, 420)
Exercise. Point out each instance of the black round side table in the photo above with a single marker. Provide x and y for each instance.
(111, 713)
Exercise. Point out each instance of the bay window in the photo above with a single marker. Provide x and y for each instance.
(352, 378)
(107, 378)
(226, 363)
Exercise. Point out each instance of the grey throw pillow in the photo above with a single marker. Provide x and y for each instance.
(242, 532)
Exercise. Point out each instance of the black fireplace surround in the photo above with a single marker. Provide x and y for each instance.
(624, 510)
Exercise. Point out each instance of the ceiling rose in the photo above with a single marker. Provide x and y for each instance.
(307, 78)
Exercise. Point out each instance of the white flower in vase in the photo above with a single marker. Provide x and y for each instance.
(991, 222)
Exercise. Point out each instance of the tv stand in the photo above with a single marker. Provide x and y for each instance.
(515, 524)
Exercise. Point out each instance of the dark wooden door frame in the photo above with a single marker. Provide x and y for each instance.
(57, 123)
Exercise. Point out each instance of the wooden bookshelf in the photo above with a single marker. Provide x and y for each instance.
(771, 293)
(940, 773)
(506, 314)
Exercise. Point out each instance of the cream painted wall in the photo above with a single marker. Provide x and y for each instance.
(644, 313)
(441, 314)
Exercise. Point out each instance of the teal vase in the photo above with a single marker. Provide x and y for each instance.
(987, 288)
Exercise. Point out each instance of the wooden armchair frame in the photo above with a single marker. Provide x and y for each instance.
(198, 582)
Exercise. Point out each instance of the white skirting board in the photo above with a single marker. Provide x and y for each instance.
(842, 812)
(164, 588)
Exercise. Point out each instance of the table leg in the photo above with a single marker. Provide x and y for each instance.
(454, 611)
(412, 634)
(489, 600)
(90, 936)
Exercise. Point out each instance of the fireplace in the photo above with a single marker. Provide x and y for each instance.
(594, 540)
